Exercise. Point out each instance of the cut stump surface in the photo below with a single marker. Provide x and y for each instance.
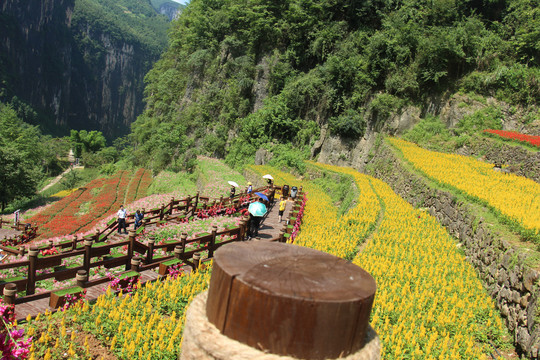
(290, 300)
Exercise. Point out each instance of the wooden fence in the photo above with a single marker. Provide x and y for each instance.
(92, 252)
(22, 233)
(176, 209)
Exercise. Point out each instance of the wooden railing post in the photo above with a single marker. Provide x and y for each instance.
(196, 261)
(242, 233)
(96, 236)
(161, 212)
(131, 246)
(150, 255)
(135, 262)
(196, 202)
(82, 278)
(50, 244)
(172, 206)
(10, 292)
(22, 250)
(32, 266)
(281, 236)
(74, 243)
(183, 239)
(188, 203)
(212, 243)
(87, 254)
(178, 251)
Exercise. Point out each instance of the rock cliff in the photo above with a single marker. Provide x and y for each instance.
(72, 72)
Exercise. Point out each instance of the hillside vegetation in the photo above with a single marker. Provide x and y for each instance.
(239, 76)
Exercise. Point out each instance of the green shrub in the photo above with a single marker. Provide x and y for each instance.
(350, 124)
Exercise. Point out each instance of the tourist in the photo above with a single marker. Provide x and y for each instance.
(233, 192)
(294, 192)
(285, 191)
(249, 188)
(138, 219)
(282, 206)
(121, 214)
(255, 222)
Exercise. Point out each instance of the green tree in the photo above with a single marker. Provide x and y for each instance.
(20, 157)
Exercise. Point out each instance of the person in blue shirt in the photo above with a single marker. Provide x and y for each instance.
(138, 219)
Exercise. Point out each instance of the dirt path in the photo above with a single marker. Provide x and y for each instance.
(59, 177)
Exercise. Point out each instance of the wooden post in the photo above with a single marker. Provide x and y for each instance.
(196, 202)
(325, 301)
(96, 236)
(183, 239)
(178, 250)
(150, 255)
(10, 292)
(50, 244)
(135, 262)
(196, 260)
(242, 233)
(281, 236)
(212, 243)
(74, 243)
(161, 212)
(1, 221)
(131, 246)
(172, 206)
(32, 266)
(188, 204)
(87, 254)
(22, 250)
(221, 199)
(82, 278)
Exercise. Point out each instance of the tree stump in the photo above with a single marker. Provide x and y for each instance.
(290, 300)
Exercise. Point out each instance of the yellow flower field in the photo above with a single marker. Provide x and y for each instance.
(429, 303)
(516, 197)
(147, 324)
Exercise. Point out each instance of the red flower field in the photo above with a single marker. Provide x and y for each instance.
(531, 139)
(80, 211)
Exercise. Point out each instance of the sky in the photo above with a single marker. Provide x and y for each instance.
(181, 1)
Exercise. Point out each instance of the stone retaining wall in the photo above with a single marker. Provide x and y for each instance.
(501, 268)
(519, 160)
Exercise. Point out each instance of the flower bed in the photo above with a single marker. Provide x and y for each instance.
(145, 324)
(512, 135)
(515, 197)
(429, 301)
(82, 210)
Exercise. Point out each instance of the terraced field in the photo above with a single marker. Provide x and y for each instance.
(429, 304)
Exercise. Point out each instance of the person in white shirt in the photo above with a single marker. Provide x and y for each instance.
(121, 214)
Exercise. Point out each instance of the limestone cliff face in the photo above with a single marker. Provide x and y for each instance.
(170, 9)
(55, 65)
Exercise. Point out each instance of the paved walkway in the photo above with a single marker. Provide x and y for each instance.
(270, 225)
(59, 177)
(35, 307)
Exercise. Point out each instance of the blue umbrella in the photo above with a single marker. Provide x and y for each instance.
(262, 196)
(257, 209)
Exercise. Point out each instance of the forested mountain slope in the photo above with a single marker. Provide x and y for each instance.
(238, 75)
(79, 63)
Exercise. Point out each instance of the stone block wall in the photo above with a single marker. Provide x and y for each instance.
(501, 267)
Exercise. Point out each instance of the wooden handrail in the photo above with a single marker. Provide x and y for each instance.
(90, 251)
